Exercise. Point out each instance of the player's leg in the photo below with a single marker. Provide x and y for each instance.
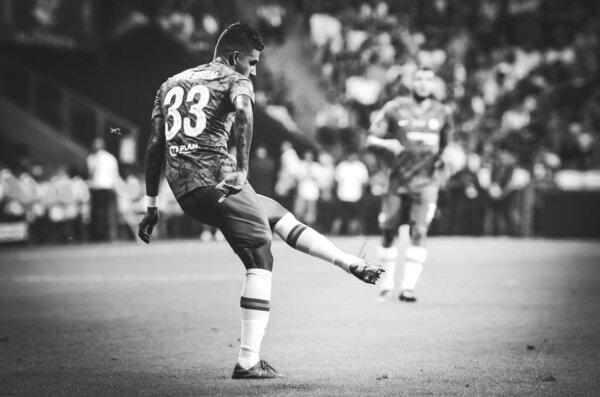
(422, 212)
(389, 222)
(307, 240)
(242, 220)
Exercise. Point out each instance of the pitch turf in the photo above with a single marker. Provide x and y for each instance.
(495, 317)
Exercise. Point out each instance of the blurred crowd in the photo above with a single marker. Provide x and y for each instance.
(343, 197)
(521, 75)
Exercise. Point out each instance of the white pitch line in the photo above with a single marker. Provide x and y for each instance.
(127, 278)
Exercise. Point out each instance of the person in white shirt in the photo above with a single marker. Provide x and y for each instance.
(351, 177)
(285, 186)
(305, 206)
(103, 171)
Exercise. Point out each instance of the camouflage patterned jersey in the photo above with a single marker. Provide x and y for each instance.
(197, 105)
(420, 132)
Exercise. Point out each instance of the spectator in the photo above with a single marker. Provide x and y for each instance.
(103, 172)
(351, 177)
(378, 186)
(465, 206)
(81, 192)
(326, 205)
(271, 17)
(500, 212)
(285, 187)
(63, 210)
(262, 172)
(577, 148)
(305, 205)
(14, 207)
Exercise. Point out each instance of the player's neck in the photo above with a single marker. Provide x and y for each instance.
(420, 99)
(222, 60)
(423, 103)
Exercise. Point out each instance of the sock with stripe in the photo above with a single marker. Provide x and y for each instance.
(413, 266)
(387, 257)
(255, 304)
(308, 240)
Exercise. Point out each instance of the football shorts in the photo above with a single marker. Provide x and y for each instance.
(413, 208)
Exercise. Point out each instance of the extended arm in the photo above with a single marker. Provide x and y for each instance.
(155, 158)
(447, 131)
(155, 155)
(378, 130)
(243, 128)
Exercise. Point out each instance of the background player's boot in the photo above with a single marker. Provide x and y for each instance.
(407, 296)
(365, 271)
(261, 370)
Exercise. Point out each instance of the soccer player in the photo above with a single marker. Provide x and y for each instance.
(415, 129)
(191, 120)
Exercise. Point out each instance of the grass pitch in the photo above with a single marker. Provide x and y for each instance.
(495, 317)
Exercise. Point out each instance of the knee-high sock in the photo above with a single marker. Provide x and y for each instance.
(413, 266)
(255, 304)
(388, 257)
(306, 239)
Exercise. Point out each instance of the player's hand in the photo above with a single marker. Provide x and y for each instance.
(147, 224)
(233, 183)
(394, 146)
(371, 141)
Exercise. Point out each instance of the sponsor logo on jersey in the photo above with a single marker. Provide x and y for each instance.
(427, 138)
(182, 149)
(419, 123)
(208, 74)
(434, 124)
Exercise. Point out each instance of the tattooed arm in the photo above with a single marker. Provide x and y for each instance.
(242, 128)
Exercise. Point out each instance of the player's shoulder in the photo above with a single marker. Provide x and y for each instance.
(401, 101)
(442, 107)
(397, 102)
(213, 71)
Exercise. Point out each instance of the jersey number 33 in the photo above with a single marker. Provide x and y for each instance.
(196, 99)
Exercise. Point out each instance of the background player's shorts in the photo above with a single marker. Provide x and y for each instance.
(241, 217)
(416, 207)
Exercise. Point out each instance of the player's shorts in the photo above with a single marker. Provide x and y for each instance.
(413, 208)
(241, 217)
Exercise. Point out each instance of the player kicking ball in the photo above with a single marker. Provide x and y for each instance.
(415, 129)
(193, 114)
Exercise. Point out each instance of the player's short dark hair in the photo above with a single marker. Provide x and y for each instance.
(239, 36)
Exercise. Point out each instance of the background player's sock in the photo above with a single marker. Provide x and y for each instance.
(307, 240)
(255, 304)
(413, 266)
(387, 257)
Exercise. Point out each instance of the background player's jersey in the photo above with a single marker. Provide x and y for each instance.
(421, 132)
(197, 105)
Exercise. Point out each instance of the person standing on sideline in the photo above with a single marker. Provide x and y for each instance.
(285, 186)
(262, 172)
(307, 195)
(351, 177)
(103, 172)
(415, 129)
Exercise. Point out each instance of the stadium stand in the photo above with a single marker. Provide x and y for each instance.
(521, 75)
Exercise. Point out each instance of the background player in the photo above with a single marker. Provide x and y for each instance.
(415, 129)
(192, 116)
